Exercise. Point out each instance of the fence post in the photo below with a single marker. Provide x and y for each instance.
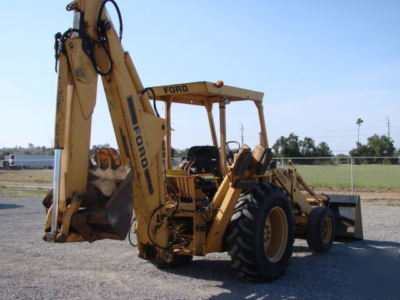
(282, 163)
(351, 175)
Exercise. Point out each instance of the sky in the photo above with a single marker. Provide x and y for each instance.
(321, 65)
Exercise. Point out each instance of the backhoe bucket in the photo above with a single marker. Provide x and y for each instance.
(347, 210)
(111, 222)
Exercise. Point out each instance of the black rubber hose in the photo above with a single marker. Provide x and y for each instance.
(148, 229)
(154, 99)
(121, 25)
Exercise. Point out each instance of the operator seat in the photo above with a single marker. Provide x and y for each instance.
(206, 160)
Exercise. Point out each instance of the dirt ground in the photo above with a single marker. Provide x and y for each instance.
(33, 269)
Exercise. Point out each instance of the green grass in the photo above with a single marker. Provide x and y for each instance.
(40, 177)
(21, 192)
(366, 177)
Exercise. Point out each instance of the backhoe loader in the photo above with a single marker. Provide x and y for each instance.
(219, 198)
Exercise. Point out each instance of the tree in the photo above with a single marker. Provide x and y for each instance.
(179, 153)
(359, 122)
(292, 146)
(307, 147)
(342, 158)
(360, 150)
(381, 145)
(287, 147)
(376, 146)
(279, 145)
(43, 150)
(323, 150)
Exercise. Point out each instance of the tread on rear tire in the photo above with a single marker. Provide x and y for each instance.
(261, 234)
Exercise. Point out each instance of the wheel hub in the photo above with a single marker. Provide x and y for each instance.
(327, 228)
(275, 234)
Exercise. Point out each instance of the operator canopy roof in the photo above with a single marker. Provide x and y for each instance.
(203, 92)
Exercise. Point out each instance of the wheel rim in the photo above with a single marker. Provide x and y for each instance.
(275, 234)
(327, 228)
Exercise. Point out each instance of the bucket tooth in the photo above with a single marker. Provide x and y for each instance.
(347, 210)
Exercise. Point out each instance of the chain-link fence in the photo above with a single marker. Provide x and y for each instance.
(360, 173)
(350, 173)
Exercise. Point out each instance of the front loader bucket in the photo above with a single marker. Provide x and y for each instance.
(347, 210)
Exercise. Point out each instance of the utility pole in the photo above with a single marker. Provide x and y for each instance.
(388, 126)
(242, 133)
(359, 122)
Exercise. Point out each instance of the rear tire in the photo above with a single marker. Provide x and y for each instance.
(261, 234)
(320, 229)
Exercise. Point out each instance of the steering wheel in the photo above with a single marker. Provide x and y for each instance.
(232, 147)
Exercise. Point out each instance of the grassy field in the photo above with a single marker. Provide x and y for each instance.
(27, 176)
(25, 183)
(22, 192)
(366, 177)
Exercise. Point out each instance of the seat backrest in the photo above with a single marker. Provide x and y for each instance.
(206, 160)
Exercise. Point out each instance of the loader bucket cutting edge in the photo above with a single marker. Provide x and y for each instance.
(347, 210)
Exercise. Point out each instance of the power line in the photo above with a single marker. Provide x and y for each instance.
(320, 130)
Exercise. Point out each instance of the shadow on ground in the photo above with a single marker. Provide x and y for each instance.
(351, 269)
(9, 206)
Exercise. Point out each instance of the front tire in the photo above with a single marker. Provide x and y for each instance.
(261, 234)
(320, 229)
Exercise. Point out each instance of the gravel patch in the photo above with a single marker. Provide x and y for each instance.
(31, 268)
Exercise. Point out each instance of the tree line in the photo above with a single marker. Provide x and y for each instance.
(290, 146)
(30, 150)
(376, 146)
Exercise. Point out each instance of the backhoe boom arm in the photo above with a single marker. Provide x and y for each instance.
(90, 50)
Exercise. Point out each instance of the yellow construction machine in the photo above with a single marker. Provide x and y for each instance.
(222, 197)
